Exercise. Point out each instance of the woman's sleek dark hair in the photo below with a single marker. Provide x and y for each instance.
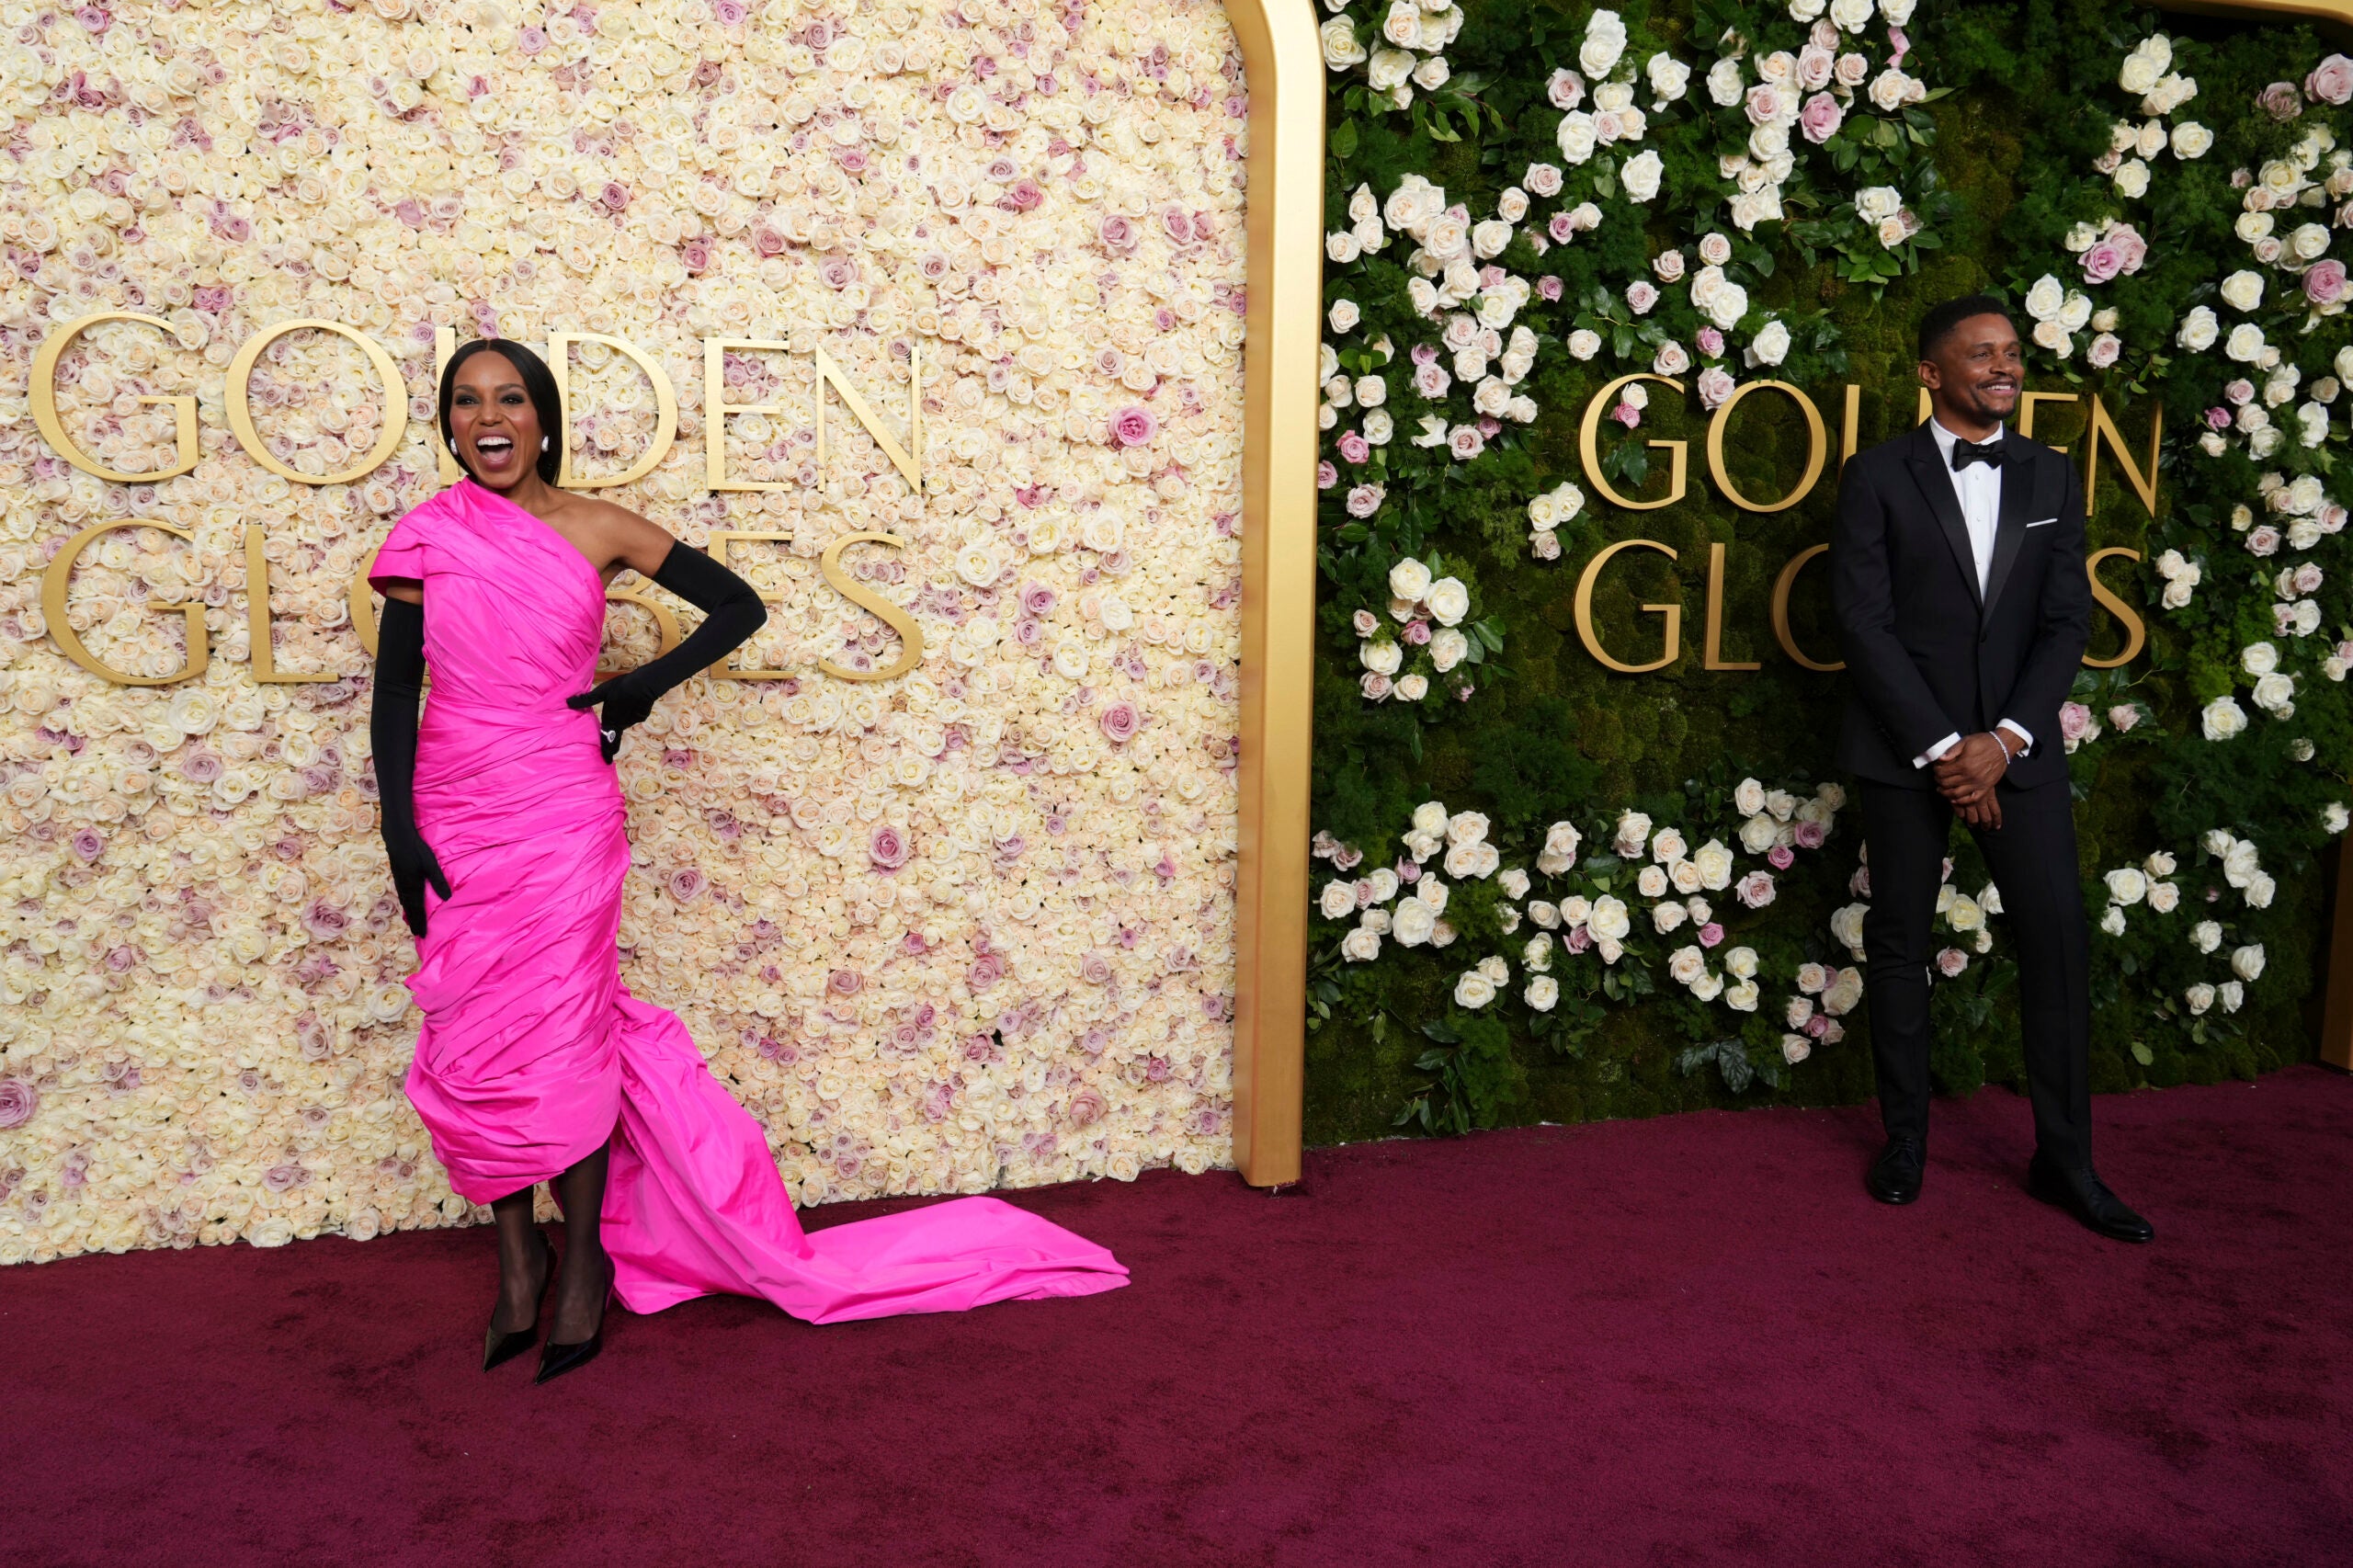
(538, 381)
(1938, 324)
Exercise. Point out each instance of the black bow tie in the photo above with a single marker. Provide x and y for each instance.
(1967, 452)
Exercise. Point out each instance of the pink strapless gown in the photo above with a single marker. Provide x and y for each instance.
(532, 1052)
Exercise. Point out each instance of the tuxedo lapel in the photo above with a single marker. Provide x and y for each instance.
(1935, 483)
(2017, 511)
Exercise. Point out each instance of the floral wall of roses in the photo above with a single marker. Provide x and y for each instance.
(1527, 203)
(971, 926)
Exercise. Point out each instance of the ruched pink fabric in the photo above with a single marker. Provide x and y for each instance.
(532, 1052)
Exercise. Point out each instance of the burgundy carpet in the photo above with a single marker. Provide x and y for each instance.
(1684, 1341)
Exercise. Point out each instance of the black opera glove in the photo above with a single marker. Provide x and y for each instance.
(413, 867)
(392, 724)
(731, 610)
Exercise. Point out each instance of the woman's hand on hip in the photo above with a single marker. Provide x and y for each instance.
(624, 703)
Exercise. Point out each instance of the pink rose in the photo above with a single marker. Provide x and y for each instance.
(1178, 223)
(2264, 541)
(688, 884)
(2281, 101)
(1037, 599)
(1134, 425)
(1715, 385)
(1364, 500)
(1327, 475)
(1566, 90)
(2332, 80)
(1095, 969)
(2325, 282)
(2218, 419)
(1355, 447)
(1119, 722)
(1117, 234)
(1950, 961)
(1416, 632)
(1711, 934)
(1809, 835)
(2129, 243)
(888, 846)
(1086, 1106)
(1578, 940)
(1815, 67)
(2104, 351)
(615, 196)
(18, 1101)
(1641, 295)
(2074, 720)
(2103, 262)
(694, 255)
(1626, 414)
(1431, 379)
(1377, 686)
(1821, 117)
(845, 982)
(1464, 442)
(1764, 104)
(1900, 44)
(1547, 288)
(1754, 890)
(531, 40)
(87, 845)
(1712, 342)
(2122, 717)
(1025, 195)
(1781, 856)
(1561, 228)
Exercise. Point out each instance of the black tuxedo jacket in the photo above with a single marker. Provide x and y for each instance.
(1926, 653)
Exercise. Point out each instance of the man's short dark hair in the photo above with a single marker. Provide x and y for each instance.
(538, 381)
(1938, 324)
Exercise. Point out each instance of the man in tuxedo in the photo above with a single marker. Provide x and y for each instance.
(1957, 572)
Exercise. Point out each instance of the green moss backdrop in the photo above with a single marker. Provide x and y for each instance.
(1999, 137)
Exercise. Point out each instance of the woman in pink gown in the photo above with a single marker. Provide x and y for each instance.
(507, 838)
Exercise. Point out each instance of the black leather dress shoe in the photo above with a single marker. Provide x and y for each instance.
(2084, 1195)
(1895, 1176)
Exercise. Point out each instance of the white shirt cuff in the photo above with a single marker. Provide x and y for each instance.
(1938, 750)
(2022, 732)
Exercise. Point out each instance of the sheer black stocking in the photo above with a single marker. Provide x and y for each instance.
(588, 1275)
(524, 1259)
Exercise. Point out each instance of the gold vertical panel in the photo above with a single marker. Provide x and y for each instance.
(1283, 62)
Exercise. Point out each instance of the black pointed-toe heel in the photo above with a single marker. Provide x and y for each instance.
(558, 1360)
(498, 1347)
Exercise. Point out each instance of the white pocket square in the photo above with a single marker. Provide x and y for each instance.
(2044, 523)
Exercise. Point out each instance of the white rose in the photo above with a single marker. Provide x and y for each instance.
(2164, 897)
(1741, 963)
(1633, 834)
(1652, 882)
(1609, 920)
(1877, 201)
(1640, 175)
(1665, 917)
(2198, 330)
(1770, 345)
(1670, 78)
(1382, 658)
(1414, 923)
(1604, 40)
(2247, 962)
(1339, 899)
(1447, 648)
(1577, 137)
(1725, 87)
(2199, 997)
(1743, 997)
(1409, 580)
(1845, 992)
(2221, 718)
(2274, 694)
(2242, 290)
(1361, 945)
(2132, 179)
(2232, 993)
(2126, 885)
(2206, 936)
(1542, 992)
(1714, 863)
(1686, 965)
(1473, 990)
(1430, 817)
(1341, 49)
(2246, 343)
(2308, 242)
(2191, 140)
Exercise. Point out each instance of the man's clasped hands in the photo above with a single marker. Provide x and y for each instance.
(1966, 775)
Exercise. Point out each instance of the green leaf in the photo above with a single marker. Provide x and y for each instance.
(1344, 139)
(2143, 1055)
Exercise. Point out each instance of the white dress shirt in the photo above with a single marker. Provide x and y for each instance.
(1978, 488)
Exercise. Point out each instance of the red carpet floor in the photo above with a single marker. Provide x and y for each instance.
(1682, 1341)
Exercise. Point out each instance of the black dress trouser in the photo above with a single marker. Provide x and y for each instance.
(2032, 857)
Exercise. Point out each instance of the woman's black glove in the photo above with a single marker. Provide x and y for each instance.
(731, 612)
(400, 683)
